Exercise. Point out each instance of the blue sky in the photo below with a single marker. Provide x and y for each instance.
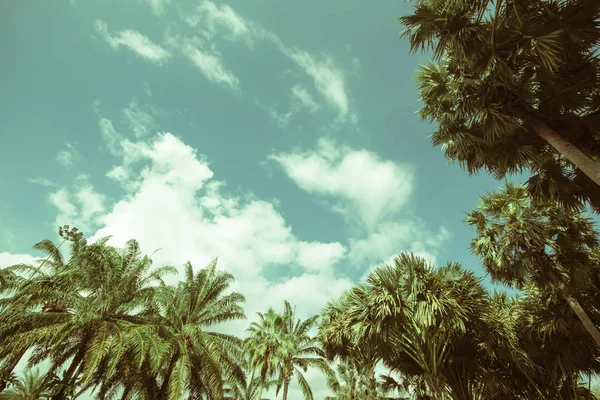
(279, 136)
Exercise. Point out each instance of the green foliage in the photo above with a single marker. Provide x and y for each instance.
(106, 320)
(503, 67)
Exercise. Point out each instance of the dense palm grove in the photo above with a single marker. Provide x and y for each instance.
(514, 87)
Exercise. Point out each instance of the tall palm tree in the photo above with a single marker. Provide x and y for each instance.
(31, 386)
(433, 323)
(264, 344)
(557, 344)
(194, 360)
(299, 352)
(521, 241)
(95, 298)
(281, 346)
(515, 86)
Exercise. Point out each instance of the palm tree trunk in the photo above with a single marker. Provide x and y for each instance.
(12, 364)
(165, 383)
(69, 375)
(588, 324)
(570, 151)
(286, 386)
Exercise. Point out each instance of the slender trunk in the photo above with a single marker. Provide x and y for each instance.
(9, 369)
(69, 375)
(570, 151)
(165, 384)
(588, 324)
(286, 385)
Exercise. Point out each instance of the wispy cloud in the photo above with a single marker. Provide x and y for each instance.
(134, 41)
(67, 156)
(208, 60)
(302, 95)
(158, 6)
(212, 18)
(328, 78)
(42, 181)
(140, 121)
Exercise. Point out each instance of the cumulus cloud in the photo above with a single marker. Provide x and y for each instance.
(173, 203)
(80, 206)
(357, 182)
(134, 41)
(371, 194)
(8, 259)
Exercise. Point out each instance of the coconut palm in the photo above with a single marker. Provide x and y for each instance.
(298, 352)
(263, 345)
(31, 386)
(522, 241)
(193, 360)
(515, 87)
(247, 390)
(81, 314)
(280, 346)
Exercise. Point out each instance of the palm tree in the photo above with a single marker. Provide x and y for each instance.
(515, 87)
(91, 322)
(281, 346)
(193, 360)
(299, 352)
(263, 346)
(560, 347)
(31, 386)
(522, 241)
(247, 390)
(432, 323)
(351, 384)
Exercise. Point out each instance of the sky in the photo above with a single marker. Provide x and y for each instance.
(278, 136)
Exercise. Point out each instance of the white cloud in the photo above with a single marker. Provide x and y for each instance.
(208, 60)
(158, 6)
(211, 17)
(390, 239)
(303, 96)
(42, 181)
(328, 78)
(82, 206)
(360, 183)
(8, 259)
(319, 256)
(174, 204)
(371, 194)
(68, 156)
(140, 121)
(134, 41)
